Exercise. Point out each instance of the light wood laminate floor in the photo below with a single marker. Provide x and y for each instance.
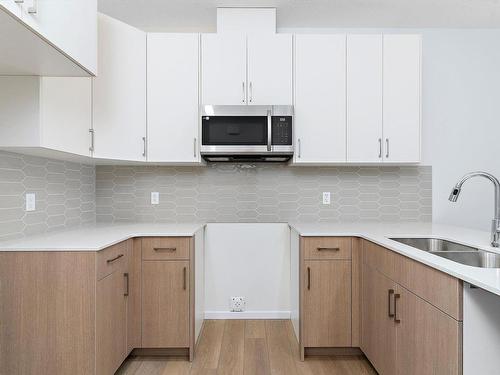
(245, 347)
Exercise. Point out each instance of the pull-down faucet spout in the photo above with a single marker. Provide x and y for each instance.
(495, 226)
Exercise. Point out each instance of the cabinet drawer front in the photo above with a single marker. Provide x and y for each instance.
(112, 258)
(165, 248)
(327, 247)
(436, 287)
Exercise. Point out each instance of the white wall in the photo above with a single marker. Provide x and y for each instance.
(249, 260)
(460, 116)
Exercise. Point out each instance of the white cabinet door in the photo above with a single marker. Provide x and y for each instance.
(320, 98)
(401, 108)
(13, 8)
(66, 114)
(120, 92)
(71, 25)
(172, 67)
(364, 98)
(270, 69)
(223, 69)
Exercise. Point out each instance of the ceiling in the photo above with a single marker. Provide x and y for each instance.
(200, 15)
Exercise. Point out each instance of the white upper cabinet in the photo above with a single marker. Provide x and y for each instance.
(48, 37)
(119, 119)
(383, 98)
(320, 98)
(55, 116)
(223, 69)
(402, 93)
(270, 69)
(253, 70)
(364, 98)
(172, 92)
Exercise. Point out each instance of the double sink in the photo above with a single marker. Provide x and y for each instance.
(456, 252)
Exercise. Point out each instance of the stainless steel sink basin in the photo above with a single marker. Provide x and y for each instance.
(456, 252)
(434, 244)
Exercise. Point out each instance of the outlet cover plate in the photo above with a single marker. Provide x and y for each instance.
(155, 197)
(326, 197)
(237, 304)
(30, 202)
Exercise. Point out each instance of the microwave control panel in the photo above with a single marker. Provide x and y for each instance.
(282, 130)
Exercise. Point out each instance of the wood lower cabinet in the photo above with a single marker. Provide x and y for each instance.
(111, 321)
(428, 340)
(327, 303)
(378, 339)
(402, 333)
(165, 304)
(167, 300)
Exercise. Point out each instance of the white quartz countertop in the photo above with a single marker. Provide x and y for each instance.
(97, 237)
(380, 233)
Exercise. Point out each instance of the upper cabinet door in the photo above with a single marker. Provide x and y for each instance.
(223, 69)
(173, 66)
(401, 108)
(320, 98)
(364, 98)
(120, 92)
(270, 69)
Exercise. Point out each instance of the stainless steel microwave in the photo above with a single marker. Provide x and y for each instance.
(242, 133)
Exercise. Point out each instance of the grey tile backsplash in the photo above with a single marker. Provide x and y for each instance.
(65, 194)
(263, 193)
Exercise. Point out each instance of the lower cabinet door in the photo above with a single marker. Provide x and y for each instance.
(111, 323)
(428, 340)
(165, 304)
(378, 340)
(327, 303)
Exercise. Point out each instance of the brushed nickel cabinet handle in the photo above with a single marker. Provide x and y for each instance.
(387, 148)
(396, 318)
(126, 284)
(308, 278)
(390, 294)
(114, 259)
(251, 92)
(328, 248)
(243, 85)
(380, 148)
(184, 271)
(144, 150)
(194, 147)
(299, 147)
(91, 132)
(164, 248)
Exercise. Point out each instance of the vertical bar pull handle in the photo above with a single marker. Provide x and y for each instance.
(194, 147)
(184, 272)
(308, 278)
(387, 148)
(243, 85)
(251, 92)
(144, 150)
(126, 284)
(389, 297)
(380, 148)
(299, 148)
(396, 318)
(91, 148)
(269, 130)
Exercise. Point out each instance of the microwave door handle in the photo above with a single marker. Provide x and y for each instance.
(269, 133)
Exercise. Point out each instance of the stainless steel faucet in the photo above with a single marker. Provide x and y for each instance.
(495, 225)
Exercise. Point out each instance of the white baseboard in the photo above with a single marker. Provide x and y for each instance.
(247, 315)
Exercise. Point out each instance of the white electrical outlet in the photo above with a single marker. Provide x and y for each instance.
(326, 197)
(155, 197)
(30, 202)
(237, 304)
